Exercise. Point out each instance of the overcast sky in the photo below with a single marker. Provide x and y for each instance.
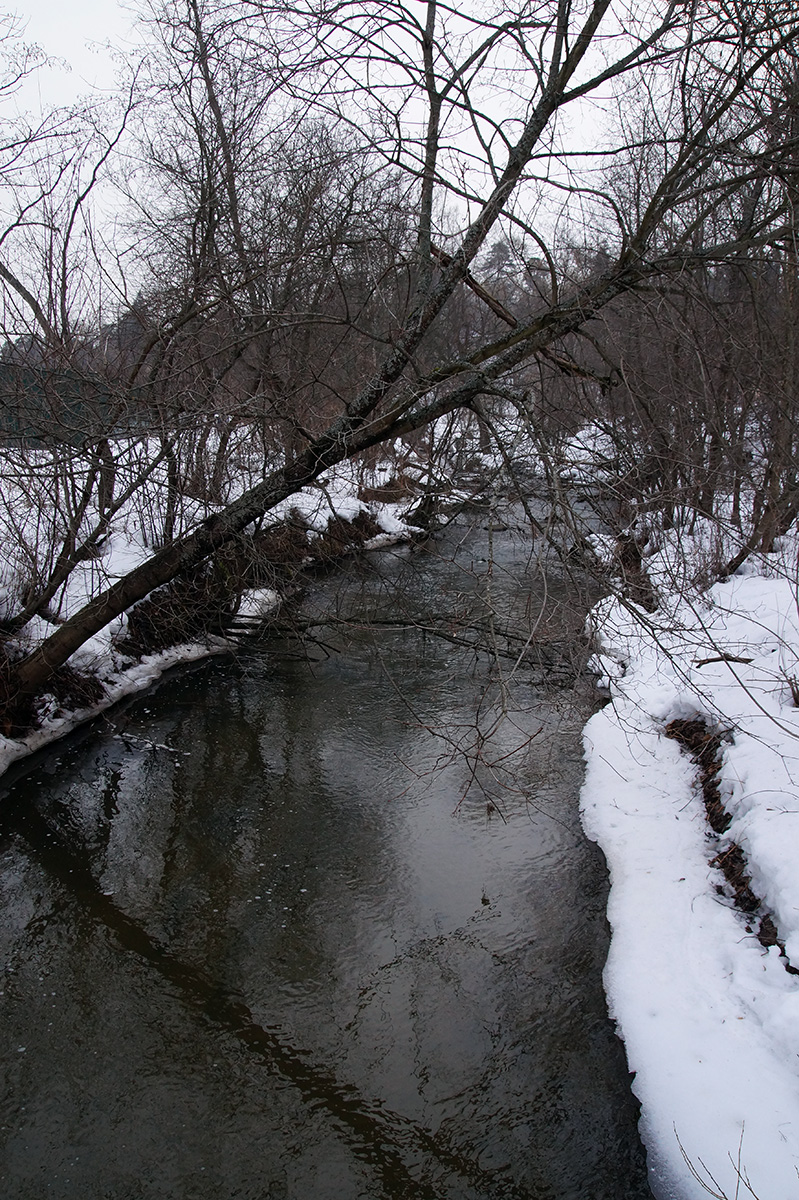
(73, 30)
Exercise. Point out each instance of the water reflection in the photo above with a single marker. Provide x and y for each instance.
(274, 934)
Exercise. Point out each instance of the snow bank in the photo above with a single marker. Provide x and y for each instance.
(124, 547)
(119, 682)
(710, 1019)
(590, 457)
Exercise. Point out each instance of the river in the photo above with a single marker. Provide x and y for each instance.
(319, 922)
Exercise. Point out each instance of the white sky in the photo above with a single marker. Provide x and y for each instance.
(75, 31)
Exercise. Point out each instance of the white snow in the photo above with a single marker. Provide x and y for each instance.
(258, 603)
(709, 1018)
(589, 456)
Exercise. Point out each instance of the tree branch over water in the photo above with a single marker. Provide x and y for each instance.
(352, 162)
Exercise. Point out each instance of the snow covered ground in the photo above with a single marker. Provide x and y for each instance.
(127, 545)
(709, 1017)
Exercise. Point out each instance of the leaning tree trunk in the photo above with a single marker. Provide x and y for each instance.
(346, 437)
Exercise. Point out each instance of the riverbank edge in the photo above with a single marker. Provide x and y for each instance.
(626, 741)
(124, 685)
(120, 683)
(709, 1015)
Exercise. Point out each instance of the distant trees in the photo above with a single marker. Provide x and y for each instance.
(315, 191)
(705, 403)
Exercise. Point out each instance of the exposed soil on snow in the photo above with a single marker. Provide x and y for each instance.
(704, 746)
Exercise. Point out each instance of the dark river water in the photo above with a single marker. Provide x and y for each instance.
(327, 929)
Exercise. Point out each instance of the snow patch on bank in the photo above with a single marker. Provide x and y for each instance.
(334, 497)
(710, 1019)
(118, 685)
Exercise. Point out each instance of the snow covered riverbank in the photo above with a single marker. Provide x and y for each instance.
(708, 1014)
(105, 660)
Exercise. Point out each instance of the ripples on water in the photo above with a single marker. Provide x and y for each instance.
(280, 931)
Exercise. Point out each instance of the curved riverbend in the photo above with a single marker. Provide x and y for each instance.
(309, 932)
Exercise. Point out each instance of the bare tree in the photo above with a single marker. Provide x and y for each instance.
(473, 112)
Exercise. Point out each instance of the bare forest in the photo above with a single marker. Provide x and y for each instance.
(309, 233)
